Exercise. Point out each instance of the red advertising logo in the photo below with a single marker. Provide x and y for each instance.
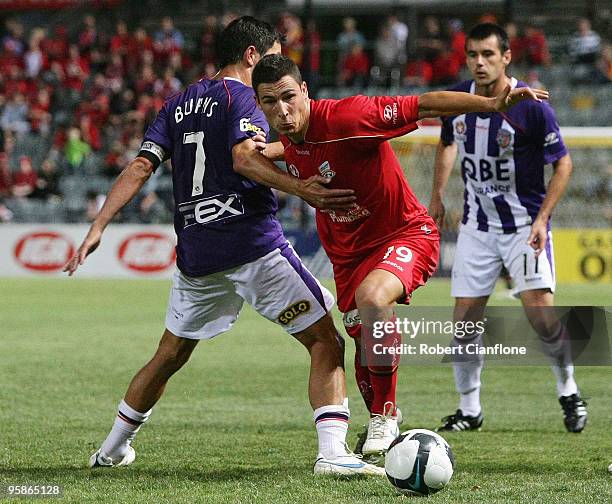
(147, 252)
(44, 251)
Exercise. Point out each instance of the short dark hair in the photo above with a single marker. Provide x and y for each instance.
(274, 67)
(485, 30)
(240, 34)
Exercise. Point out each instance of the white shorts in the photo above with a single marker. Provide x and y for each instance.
(480, 255)
(277, 285)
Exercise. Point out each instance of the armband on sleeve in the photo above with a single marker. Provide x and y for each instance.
(153, 152)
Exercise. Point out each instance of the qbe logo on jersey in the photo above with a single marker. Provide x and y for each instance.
(212, 209)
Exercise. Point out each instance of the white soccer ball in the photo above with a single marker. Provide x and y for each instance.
(419, 462)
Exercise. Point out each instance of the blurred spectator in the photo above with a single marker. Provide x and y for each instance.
(400, 33)
(115, 160)
(122, 42)
(16, 83)
(14, 40)
(386, 69)
(75, 149)
(97, 61)
(517, 43)
(167, 85)
(34, 58)
(312, 50)
(90, 133)
(431, 42)
(114, 71)
(25, 179)
(146, 81)
(47, 185)
(9, 58)
(445, 68)
(536, 47)
(14, 117)
(76, 70)
(176, 63)
(293, 47)
(168, 39)
(419, 73)
(585, 47)
(208, 40)
(356, 68)
(40, 113)
(533, 80)
(457, 41)
(88, 37)
(143, 45)
(348, 39)
(56, 47)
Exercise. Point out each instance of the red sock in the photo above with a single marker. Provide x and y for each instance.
(383, 387)
(362, 373)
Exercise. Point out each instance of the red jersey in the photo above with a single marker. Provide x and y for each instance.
(347, 142)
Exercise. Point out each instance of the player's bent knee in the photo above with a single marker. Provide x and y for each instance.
(368, 294)
(322, 333)
(173, 351)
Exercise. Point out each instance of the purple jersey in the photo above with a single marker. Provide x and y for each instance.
(221, 218)
(502, 159)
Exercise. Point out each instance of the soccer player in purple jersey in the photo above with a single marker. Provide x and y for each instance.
(506, 220)
(230, 246)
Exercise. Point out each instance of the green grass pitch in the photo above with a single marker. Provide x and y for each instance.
(235, 425)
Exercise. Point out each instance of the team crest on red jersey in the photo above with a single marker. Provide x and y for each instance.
(326, 171)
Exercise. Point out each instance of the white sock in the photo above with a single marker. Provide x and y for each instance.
(558, 347)
(467, 381)
(566, 385)
(332, 425)
(467, 377)
(126, 425)
(469, 402)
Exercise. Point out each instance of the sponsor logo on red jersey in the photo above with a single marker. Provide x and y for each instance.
(147, 252)
(44, 251)
(293, 170)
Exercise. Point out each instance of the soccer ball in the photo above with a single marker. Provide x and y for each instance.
(419, 462)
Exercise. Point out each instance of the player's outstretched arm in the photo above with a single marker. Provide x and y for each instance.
(443, 165)
(127, 185)
(556, 187)
(250, 163)
(441, 103)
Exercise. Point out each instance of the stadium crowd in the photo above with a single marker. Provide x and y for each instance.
(74, 105)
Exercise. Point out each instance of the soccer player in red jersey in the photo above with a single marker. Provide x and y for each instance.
(386, 246)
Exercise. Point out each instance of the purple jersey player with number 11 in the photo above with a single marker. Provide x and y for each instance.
(506, 218)
(231, 247)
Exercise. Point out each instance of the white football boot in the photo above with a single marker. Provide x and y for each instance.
(382, 431)
(100, 459)
(347, 464)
